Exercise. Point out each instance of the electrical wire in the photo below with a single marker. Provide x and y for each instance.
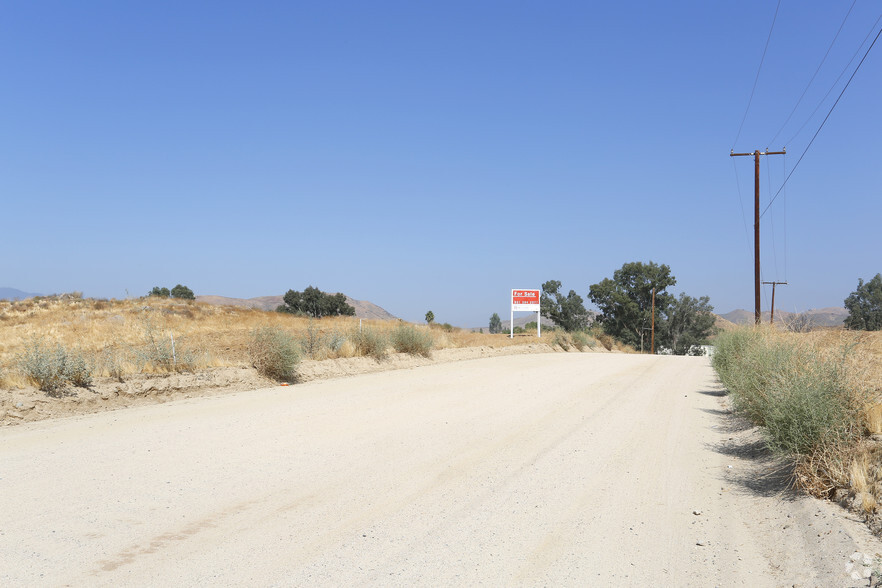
(823, 122)
(798, 102)
(772, 225)
(836, 81)
(743, 215)
(756, 79)
(784, 201)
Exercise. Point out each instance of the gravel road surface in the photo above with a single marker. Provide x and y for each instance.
(565, 469)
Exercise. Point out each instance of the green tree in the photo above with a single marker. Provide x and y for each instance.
(495, 324)
(315, 303)
(864, 306)
(688, 322)
(430, 317)
(161, 292)
(625, 301)
(182, 292)
(567, 312)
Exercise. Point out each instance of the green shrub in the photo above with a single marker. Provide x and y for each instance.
(370, 343)
(52, 369)
(77, 370)
(802, 400)
(274, 353)
(408, 339)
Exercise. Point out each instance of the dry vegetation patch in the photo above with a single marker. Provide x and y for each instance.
(98, 354)
(818, 398)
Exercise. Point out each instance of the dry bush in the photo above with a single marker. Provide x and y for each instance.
(113, 332)
(274, 353)
(370, 342)
(814, 393)
(607, 341)
(412, 340)
(562, 340)
(53, 368)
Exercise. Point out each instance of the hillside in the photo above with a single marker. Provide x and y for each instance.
(820, 317)
(363, 308)
(14, 294)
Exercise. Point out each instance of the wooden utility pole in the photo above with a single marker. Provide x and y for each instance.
(652, 347)
(756, 225)
(772, 320)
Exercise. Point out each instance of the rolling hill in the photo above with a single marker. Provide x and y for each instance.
(363, 309)
(821, 317)
(14, 294)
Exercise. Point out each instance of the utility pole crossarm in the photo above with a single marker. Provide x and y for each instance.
(756, 223)
(772, 318)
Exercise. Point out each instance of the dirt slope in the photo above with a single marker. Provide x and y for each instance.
(549, 469)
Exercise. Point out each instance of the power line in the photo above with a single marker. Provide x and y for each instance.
(759, 69)
(836, 81)
(823, 122)
(798, 102)
(743, 215)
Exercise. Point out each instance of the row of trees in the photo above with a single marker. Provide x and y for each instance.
(625, 302)
(179, 291)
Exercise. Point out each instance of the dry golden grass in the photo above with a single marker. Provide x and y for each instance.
(115, 332)
(866, 478)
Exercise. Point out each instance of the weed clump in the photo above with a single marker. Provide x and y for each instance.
(370, 343)
(582, 340)
(408, 339)
(562, 340)
(51, 369)
(804, 400)
(606, 340)
(164, 354)
(274, 353)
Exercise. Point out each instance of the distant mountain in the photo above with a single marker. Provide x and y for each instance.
(820, 317)
(13, 294)
(363, 309)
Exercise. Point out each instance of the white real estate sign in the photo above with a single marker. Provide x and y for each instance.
(525, 301)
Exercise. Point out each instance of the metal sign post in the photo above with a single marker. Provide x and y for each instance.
(525, 301)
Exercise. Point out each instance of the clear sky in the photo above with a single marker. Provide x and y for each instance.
(434, 155)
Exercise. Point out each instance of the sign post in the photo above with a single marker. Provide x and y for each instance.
(525, 301)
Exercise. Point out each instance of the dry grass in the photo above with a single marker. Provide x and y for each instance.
(788, 365)
(115, 333)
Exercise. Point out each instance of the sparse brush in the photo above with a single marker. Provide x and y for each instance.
(77, 369)
(370, 343)
(580, 340)
(51, 369)
(274, 353)
(409, 339)
(314, 342)
(606, 340)
(562, 340)
(164, 353)
(113, 360)
(805, 391)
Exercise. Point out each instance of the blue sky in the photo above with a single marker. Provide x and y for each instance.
(434, 155)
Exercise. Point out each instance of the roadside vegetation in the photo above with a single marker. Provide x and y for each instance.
(818, 398)
(62, 342)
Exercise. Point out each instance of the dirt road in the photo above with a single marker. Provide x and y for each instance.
(552, 469)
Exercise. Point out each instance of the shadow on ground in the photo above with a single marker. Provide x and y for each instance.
(754, 468)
